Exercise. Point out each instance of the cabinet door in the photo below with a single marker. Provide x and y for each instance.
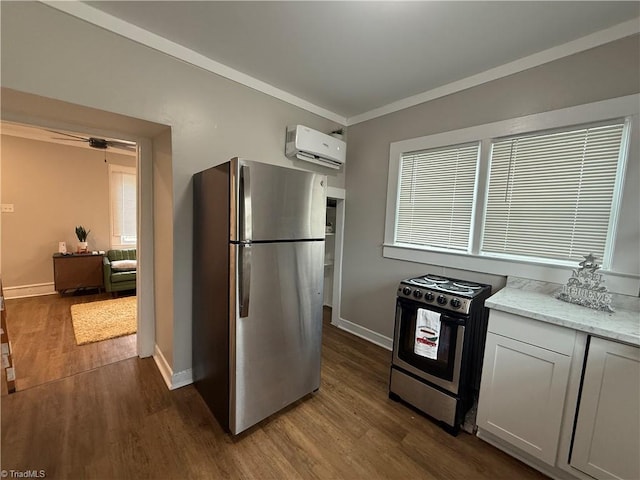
(607, 436)
(522, 395)
(81, 271)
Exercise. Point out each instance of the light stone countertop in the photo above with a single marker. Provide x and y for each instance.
(536, 300)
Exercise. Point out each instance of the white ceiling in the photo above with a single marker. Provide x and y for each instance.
(357, 60)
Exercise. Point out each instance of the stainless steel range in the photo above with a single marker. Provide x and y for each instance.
(439, 337)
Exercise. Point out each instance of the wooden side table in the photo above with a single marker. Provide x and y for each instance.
(74, 271)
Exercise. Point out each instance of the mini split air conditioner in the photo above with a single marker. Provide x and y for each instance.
(316, 147)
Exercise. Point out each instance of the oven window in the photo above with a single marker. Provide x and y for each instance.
(433, 355)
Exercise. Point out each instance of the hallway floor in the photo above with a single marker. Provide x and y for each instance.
(43, 343)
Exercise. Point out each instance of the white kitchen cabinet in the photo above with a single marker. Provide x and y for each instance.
(524, 383)
(607, 435)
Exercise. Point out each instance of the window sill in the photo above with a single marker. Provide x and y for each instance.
(624, 284)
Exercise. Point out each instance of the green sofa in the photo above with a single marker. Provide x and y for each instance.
(119, 269)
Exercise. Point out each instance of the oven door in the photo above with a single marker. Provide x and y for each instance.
(440, 363)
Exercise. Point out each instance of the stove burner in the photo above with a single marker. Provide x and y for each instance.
(436, 279)
(423, 282)
(442, 286)
(472, 286)
(453, 288)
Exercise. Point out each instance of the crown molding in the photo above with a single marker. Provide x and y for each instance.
(120, 27)
(596, 39)
(139, 35)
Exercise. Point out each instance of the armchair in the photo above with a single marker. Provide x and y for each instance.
(119, 269)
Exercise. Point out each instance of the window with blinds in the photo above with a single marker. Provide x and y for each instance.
(436, 197)
(123, 207)
(550, 195)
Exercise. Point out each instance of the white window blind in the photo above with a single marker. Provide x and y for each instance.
(436, 197)
(123, 206)
(550, 195)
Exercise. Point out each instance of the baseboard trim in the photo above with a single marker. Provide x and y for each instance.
(173, 380)
(182, 379)
(185, 377)
(34, 290)
(363, 332)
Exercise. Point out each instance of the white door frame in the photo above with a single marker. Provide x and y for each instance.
(338, 194)
(144, 278)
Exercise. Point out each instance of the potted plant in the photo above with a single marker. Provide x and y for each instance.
(82, 234)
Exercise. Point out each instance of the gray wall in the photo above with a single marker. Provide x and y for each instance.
(212, 119)
(369, 280)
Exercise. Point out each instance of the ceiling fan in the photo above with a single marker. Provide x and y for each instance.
(98, 143)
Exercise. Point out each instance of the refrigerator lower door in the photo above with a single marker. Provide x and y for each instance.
(276, 340)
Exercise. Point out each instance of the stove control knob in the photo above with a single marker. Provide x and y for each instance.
(428, 297)
(406, 291)
(442, 300)
(417, 293)
(455, 303)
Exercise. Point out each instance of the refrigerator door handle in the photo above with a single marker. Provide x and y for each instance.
(245, 279)
(245, 198)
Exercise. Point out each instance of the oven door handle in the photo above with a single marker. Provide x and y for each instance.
(445, 316)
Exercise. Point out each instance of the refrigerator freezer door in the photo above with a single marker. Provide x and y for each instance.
(276, 346)
(277, 203)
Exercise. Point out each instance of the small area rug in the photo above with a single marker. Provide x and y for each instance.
(97, 321)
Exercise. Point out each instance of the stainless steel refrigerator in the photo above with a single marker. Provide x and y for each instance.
(258, 256)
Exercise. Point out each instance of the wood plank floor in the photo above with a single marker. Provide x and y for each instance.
(120, 421)
(43, 343)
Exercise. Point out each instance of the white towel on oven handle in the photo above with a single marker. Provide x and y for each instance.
(427, 335)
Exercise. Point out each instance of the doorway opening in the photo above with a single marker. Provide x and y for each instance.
(69, 187)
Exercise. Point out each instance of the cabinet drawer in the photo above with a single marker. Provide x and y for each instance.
(534, 332)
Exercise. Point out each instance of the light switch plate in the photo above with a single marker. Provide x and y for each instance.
(7, 208)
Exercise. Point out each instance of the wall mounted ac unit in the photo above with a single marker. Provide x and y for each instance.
(316, 147)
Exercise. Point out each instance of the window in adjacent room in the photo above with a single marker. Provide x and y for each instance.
(122, 185)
